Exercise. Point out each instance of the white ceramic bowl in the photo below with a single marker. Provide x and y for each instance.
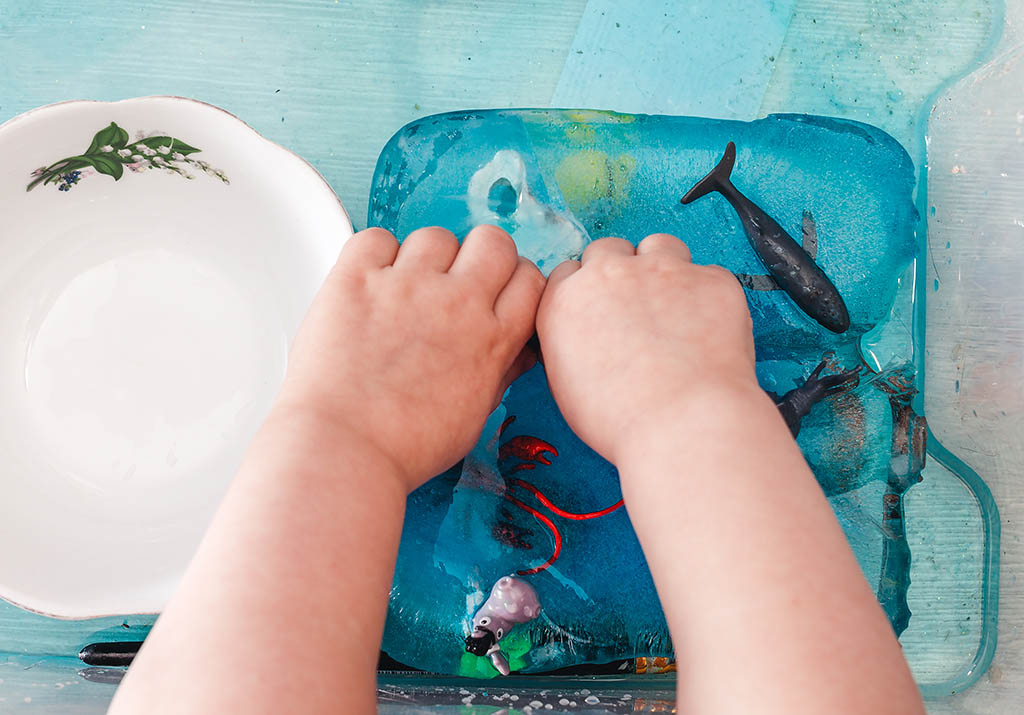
(146, 308)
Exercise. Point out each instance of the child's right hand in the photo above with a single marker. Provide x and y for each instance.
(651, 360)
(629, 336)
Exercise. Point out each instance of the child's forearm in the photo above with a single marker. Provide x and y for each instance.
(302, 550)
(390, 378)
(758, 583)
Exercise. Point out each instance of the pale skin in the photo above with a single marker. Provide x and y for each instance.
(403, 355)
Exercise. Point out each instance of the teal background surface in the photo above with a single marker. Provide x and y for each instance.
(334, 80)
(330, 80)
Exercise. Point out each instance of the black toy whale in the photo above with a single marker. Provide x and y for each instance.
(787, 262)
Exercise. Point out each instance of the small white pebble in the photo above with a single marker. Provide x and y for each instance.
(584, 692)
(563, 701)
(592, 700)
(536, 704)
(627, 696)
(513, 697)
(467, 700)
(549, 706)
(463, 691)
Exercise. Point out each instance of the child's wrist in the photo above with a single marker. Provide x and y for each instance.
(334, 446)
(709, 416)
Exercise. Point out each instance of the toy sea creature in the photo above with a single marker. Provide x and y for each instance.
(512, 601)
(797, 403)
(787, 262)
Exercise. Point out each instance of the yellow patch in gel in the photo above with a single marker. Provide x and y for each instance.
(589, 175)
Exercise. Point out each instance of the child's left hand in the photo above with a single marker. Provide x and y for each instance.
(409, 349)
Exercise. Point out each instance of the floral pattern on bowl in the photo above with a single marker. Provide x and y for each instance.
(111, 152)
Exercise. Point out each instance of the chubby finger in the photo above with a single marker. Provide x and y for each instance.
(431, 247)
(562, 271)
(663, 243)
(370, 248)
(516, 304)
(606, 248)
(488, 258)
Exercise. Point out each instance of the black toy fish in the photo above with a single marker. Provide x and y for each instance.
(789, 264)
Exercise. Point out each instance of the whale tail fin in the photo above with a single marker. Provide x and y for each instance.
(717, 179)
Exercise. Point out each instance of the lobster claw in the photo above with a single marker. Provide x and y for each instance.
(529, 449)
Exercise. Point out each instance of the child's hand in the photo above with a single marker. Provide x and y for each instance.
(629, 334)
(410, 349)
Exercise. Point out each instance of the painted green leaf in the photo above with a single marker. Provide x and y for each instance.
(113, 136)
(73, 164)
(55, 172)
(175, 145)
(102, 155)
(182, 147)
(110, 166)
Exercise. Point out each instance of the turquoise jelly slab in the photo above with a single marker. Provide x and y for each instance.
(556, 178)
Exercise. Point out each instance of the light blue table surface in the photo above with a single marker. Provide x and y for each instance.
(334, 80)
